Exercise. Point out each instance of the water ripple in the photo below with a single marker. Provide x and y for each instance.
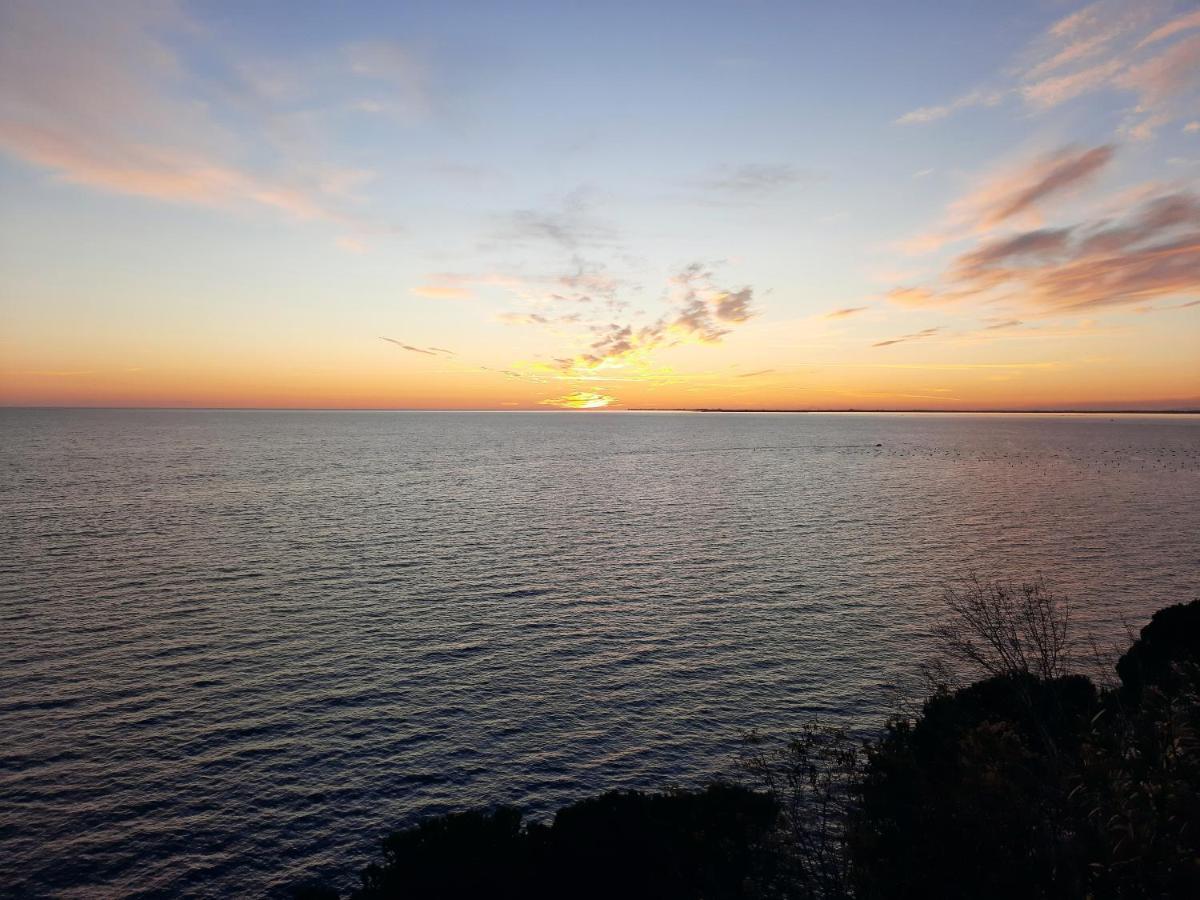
(239, 646)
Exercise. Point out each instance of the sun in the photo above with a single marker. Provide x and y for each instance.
(580, 400)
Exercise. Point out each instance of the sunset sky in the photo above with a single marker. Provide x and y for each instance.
(510, 205)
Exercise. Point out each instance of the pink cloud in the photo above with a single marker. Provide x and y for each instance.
(1172, 28)
(1097, 49)
(94, 94)
(1018, 193)
(1172, 72)
(1056, 90)
(1152, 251)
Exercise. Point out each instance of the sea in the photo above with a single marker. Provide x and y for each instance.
(237, 647)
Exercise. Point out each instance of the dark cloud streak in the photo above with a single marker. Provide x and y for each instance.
(915, 336)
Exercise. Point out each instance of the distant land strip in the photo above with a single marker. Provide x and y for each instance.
(1180, 411)
(1075, 412)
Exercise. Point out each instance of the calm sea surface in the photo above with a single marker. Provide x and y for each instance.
(235, 647)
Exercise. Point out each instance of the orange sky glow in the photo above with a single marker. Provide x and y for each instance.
(203, 212)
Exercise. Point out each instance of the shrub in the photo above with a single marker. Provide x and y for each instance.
(682, 844)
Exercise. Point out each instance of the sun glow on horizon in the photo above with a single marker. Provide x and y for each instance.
(580, 400)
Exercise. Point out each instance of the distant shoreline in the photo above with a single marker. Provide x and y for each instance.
(1048, 412)
(666, 409)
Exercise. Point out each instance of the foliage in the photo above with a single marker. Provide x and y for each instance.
(814, 777)
(620, 844)
(1026, 782)
(1031, 782)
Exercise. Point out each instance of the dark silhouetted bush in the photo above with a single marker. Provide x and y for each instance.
(620, 844)
(1028, 783)
(970, 799)
(1167, 646)
(1026, 786)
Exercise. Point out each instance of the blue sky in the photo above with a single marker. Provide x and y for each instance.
(210, 201)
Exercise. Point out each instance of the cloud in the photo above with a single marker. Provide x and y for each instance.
(1050, 92)
(756, 374)
(515, 318)
(1171, 306)
(570, 225)
(587, 286)
(442, 292)
(1112, 46)
(914, 296)
(1032, 245)
(400, 79)
(754, 178)
(580, 400)
(511, 318)
(733, 306)
(701, 313)
(1151, 251)
(1071, 24)
(1073, 52)
(925, 114)
(1052, 175)
(509, 373)
(845, 312)
(1170, 29)
(1159, 79)
(412, 349)
(1020, 192)
(95, 93)
(589, 280)
(916, 335)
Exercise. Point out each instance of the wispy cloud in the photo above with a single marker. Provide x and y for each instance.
(1052, 175)
(845, 312)
(914, 296)
(754, 178)
(1151, 251)
(914, 336)
(532, 318)
(399, 79)
(1167, 308)
(701, 312)
(95, 95)
(431, 351)
(1110, 46)
(1020, 192)
(925, 114)
(571, 224)
(1186, 22)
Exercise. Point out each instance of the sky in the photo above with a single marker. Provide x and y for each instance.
(612, 205)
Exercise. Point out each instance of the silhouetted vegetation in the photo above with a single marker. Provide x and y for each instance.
(676, 844)
(1015, 778)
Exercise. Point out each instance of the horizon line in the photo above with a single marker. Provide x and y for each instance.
(640, 409)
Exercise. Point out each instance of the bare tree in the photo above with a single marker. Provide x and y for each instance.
(1002, 628)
